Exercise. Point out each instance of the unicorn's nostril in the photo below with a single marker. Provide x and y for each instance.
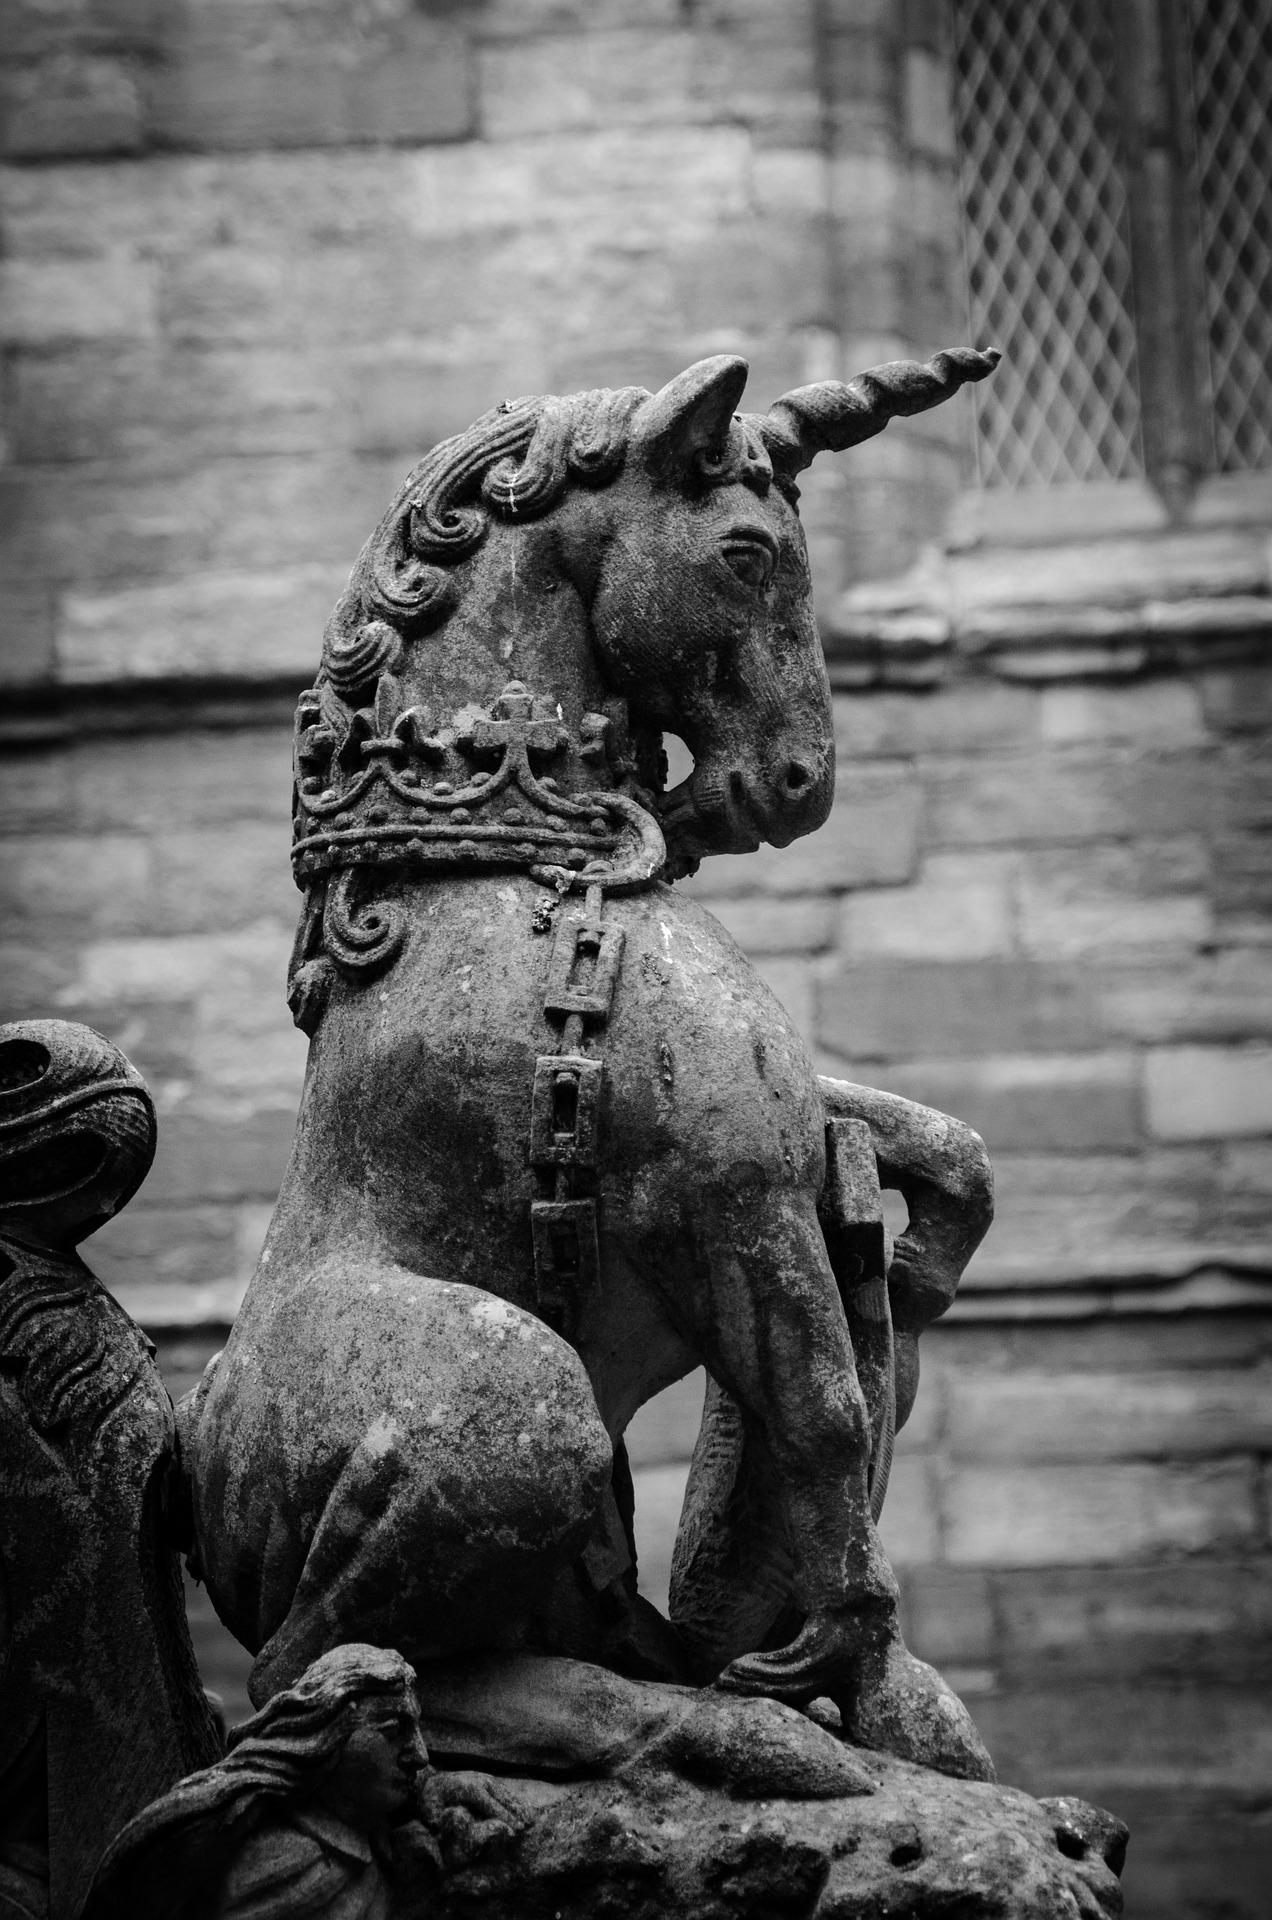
(798, 775)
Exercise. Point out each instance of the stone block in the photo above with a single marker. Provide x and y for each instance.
(246, 965)
(1242, 887)
(1102, 1741)
(1070, 798)
(958, 907)
(207, 626)
(1237, 699)
(928, 107)
(89, 884)
(46, 303)
(660, 1493)
(1052, 1415)
(762, 74)
(1245, 1171)
(1188, 1837)
(1208, 1093)
(1130, 1511)
(524, 19)
(665, 1430)
(961, 717)
(789, 180)
(889, 1009)
(145, 407)
(741, 274)
(246, 1047)
(1075, 1217)
(35, 975)
(1158, 714)
(172, 1248)
(238, 77)
(223, 1151)
(947, 1615)
(626, 77)
(96, 527)
(871, 837)
(763, 926)
(1225, 995)
(909, 1526)
(164, 781)
(35, 790)
(27, 636)
(1193, 1620)
(1149, 895)
(1244, 800)
(234, 876)
(71, 104)
(1105, 575)
(158, 1037)
(35, 27)
(1166, 1342)
(1069, 1103)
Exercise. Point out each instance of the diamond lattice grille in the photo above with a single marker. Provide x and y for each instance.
(1046, 242)
(1232, 91)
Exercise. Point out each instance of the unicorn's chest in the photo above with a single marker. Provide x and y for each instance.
(680, 1038)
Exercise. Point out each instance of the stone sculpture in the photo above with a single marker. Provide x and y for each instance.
(324, 1804)
(558, 1145)
(100, 1704)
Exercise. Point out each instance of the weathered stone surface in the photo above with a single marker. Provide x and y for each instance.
(100, 1704)
(907, 1849)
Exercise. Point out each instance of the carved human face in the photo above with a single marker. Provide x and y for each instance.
(375, 1775)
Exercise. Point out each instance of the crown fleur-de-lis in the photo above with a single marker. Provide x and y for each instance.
(382, 730)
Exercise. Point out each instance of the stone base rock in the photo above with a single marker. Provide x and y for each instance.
(657, 1848)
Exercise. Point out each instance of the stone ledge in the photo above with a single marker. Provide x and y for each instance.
(920, 647)
(1070, 588)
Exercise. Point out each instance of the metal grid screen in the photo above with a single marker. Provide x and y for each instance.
(1232, 99)
(1046, 245)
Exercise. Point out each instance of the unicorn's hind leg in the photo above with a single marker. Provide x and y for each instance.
(777, 1340)
(469, 1468)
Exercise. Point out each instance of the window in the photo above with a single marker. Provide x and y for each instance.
(1115, 161)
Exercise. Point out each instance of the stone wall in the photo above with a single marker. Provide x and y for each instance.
(256, 260)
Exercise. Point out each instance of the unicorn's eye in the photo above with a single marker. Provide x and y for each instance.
(753, 560)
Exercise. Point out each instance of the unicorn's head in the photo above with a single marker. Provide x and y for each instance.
(631, 562)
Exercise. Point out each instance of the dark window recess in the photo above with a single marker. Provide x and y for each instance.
(1114, 160)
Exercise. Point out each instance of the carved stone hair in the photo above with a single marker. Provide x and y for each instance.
(514, 463)
(298, 1736)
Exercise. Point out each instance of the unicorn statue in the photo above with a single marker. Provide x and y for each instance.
(558, 1143)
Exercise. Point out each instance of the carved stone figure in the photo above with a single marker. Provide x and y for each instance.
(100, 1703)
(320, 1808)
(559, 1144)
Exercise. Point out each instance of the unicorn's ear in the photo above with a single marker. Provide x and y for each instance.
(690, 416)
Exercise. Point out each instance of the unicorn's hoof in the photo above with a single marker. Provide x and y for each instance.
(902, 1706)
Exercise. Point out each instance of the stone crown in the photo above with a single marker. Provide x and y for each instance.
(511, 787)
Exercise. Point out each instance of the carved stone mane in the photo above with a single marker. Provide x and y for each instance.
(515, 463)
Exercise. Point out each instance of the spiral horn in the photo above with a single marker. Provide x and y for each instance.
(833, 414)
